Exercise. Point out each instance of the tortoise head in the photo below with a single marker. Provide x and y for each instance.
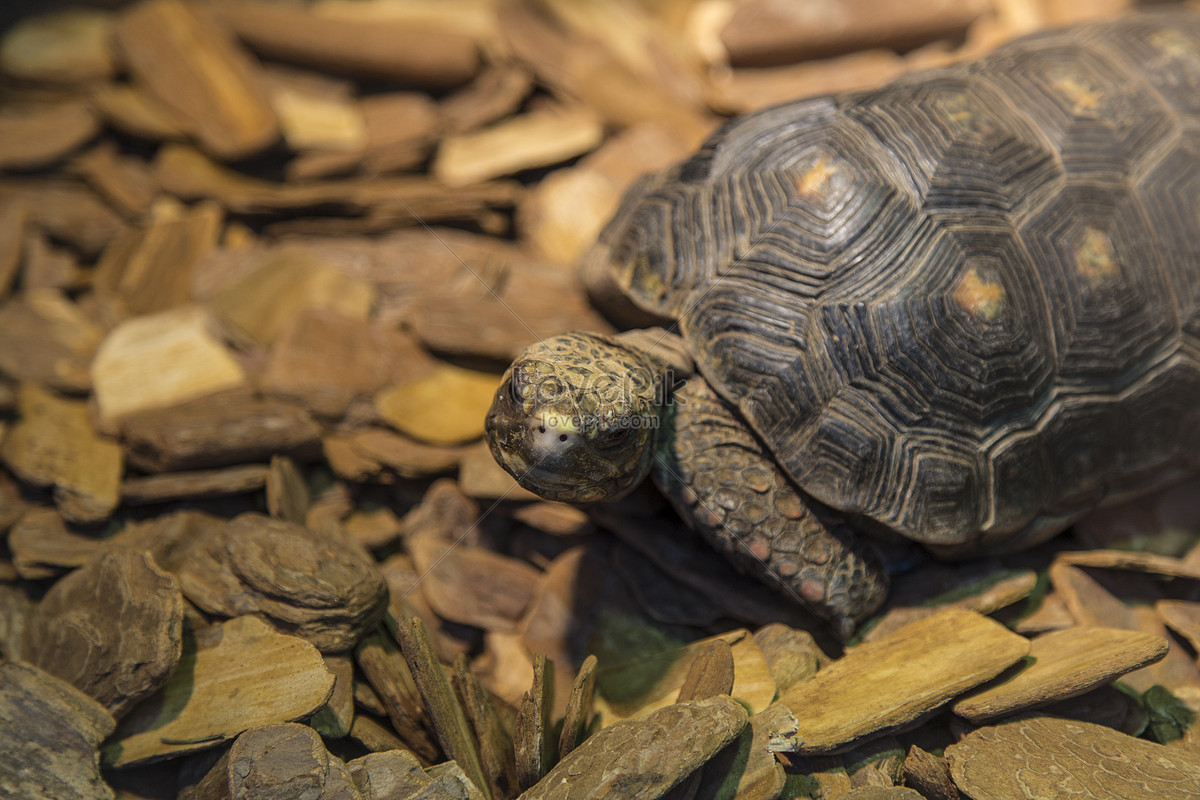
(574, 418)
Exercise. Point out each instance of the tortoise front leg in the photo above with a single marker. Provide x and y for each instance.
(719, 478)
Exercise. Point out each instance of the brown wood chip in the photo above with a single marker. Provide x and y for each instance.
(531, 735)
(1064, 664)
(1045, 756)
(68, 46)
(40, 135)
(51, 731)
(388, 673)
(236, 676)
(277, 761)
(885, 685)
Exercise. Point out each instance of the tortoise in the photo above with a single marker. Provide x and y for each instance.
(961, 310)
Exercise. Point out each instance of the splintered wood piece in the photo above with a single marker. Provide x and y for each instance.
(644, 757)
(54, 444)
(710, 674)
(446, 407)
(579, 708)
(134, 111)
(46, 338)
(554, 518)
(532, 732)
(495, 743)
(194, 485)
(48, 266)
(375, 736)
(200, 434)
(401, 127)
(1064, 664)
(382, 662)
(882, 686)
(161, 360)
(445, 714)
(335, 719)
(42, 547)
(192, 66)
(406, 457)
(929, 775)
(234, 676)
(926, 591)
(1037, 756)
(38, 136)
(537, 139)
(761, 32)
(1181, 616)
(51, 731)
(69, 46)
(472, 585)
(149, 269)
(276, 761)
(287, 493)
(313, 120)
(406, 51)
(112, 628)
(263, 303)
(495, 93)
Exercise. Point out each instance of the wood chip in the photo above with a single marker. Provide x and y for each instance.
(446, 715)
(710, 674)
(494, 94)
(149, 269)
(67, 210)
(471, 585)
(161, 360)
(68, 46)
(446, 407)
(492, 730)
(312, 121)
(1038, 756)
(135, 112)
(42, 547)
(336, 718)
(193, 485)
(12, 236)
(645, 757)
(924, 592)
(385, 668)
(374, 736)
(389, 774)
(190, 65)
(51, 730)
(792, 655)
(46, 338)
(929, 775)
(531, 735)
(1139, 562)
(396, 50)
(400, 130)
(760, 32)
(885, 685)
(112, 628)
(747, 767)
(406, 457)
(124, 181)
(1064, 664)
(287, 494)
(537, 139)
(480, 476)
(277, 761)
(1181, 616)
(241, 674)
(54, 444)
(203, 434)
(40, 135)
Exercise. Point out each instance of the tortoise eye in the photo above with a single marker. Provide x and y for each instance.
(614, 437)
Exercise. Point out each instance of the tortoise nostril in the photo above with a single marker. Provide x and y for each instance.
(541, 428)
(562, 437)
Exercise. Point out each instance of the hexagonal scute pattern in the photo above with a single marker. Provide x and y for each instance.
(966, 305)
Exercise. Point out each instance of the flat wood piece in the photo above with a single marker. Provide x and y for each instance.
(407, 51)
(644, 757)
(747, 768)
(67, 210)
(275, 762)
(923, 592)
(43, 547)
(1181, 616)
(1064, 664)
(929, 775)
(47, 338)
(237, 675)
(54, 444)
(446, 407)
(193, 67)
(382, 775)
(1038, 756)
(532, 732)
(287, 493)
(113, 628)
(335, 719)
(193, 485)
(161, 360)
(1150, 563)
(710, 674)
(375, 736)
(480, 476)
(124, 181)
(68, 46)
(405, 456)
(202, 434)
(51, 731)
(537, 139)
(885, 685)
(37, 136)
(792, 655)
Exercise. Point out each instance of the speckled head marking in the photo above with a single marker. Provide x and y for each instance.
(574, 418)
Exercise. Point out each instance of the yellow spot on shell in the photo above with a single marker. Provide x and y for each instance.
(814, 182)
(1086, 98)
(983, 298)
(1094, 256)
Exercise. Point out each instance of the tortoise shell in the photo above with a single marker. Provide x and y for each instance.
(966, 305)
